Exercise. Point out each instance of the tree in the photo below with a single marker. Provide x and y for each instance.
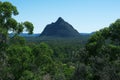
(17, 40)
(104, 51)
(19, 59)
(95, 42)
(7, 23)
(115, 32)
(43, 57)
(107, 36)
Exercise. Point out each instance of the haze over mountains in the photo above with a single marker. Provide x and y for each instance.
(60, 29)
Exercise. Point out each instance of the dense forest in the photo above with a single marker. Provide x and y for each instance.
(96, 58)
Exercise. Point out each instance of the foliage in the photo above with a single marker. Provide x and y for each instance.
(56, 58)
(104, 50)
(19, 59)
(7, 23)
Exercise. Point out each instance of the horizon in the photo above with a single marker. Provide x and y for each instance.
(85, 16)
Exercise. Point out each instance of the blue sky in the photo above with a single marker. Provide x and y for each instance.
(85, 15)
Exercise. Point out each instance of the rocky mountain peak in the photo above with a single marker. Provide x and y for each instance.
(60, 28)
(59, 20)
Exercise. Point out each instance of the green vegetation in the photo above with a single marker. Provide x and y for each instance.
(57, 58)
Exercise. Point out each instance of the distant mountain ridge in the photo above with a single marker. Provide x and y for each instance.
(38, 34)
(60, 28)
(26, 35)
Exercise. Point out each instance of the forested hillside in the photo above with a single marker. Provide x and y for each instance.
(98, 58)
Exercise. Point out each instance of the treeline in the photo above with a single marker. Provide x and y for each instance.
(98, 59)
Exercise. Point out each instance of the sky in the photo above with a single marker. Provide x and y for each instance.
(85, 16)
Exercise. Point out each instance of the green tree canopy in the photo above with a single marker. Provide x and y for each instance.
(7, 23)
(104, 53)
(107, 36)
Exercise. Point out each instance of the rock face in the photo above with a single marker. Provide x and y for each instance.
(60, 29)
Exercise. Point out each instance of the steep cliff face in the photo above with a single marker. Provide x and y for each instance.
(60, 29)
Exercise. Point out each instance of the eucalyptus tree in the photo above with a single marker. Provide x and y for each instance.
(9, 24)
(104, 52)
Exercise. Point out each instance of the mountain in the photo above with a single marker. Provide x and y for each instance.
(60, 29)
